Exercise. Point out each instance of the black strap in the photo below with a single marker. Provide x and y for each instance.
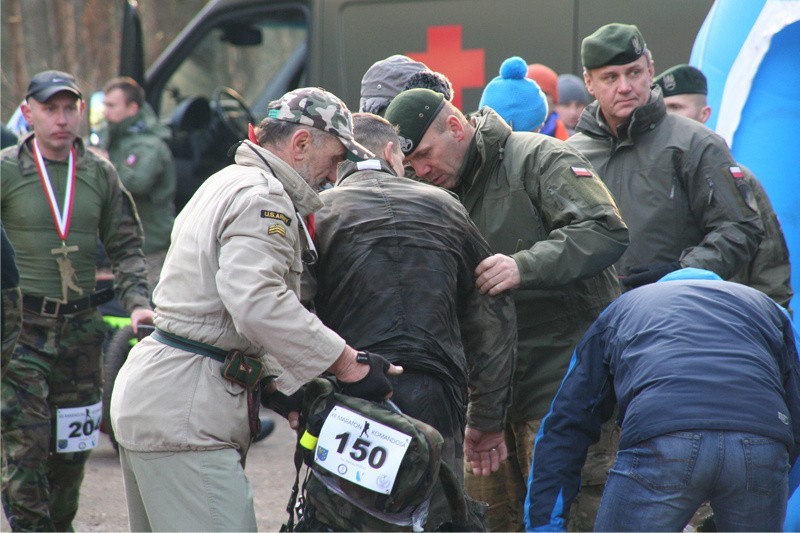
(182, 343)
(53, 307)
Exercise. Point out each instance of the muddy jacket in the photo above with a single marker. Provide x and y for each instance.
(676, 185)
(137, 148)
(538, 200)
(101, 208)
(396, 276)
(230, 279)
(769, 271)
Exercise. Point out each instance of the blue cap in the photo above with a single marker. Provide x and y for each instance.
(517, 99)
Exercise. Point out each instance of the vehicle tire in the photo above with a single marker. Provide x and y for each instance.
(115, 356)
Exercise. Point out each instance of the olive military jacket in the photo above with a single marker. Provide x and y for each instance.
(769, 271)
(102, 207)
(538, 200)
(676, 185)
(396, 276)
(137, 147)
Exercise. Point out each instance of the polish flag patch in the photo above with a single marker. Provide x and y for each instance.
(581, 172)
(131, 160)
(736, 172)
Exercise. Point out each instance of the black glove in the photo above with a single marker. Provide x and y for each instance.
(651, 272)
(280, 403)
(375, 385)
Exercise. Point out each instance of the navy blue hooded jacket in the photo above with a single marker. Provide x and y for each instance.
(674, 356)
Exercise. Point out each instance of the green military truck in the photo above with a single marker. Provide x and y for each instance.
(236, 56)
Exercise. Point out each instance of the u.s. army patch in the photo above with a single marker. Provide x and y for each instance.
(277, 229)
(277, 215)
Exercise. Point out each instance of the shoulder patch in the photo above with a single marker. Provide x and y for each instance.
(736, 172)
(277, 215)
(582, 172)
(131, 160)
(276, 229)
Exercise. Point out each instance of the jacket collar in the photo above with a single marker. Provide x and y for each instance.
(25, 154)
(349, 168)
(643, 118)
(304, 198)
(486, 149)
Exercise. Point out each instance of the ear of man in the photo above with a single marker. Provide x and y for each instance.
(300, 143)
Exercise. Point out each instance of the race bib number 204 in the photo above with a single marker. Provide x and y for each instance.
(78, 428)
(361, 450)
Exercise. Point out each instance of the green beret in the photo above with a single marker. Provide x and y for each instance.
(413, 111)
(612, 44)
(682, 79)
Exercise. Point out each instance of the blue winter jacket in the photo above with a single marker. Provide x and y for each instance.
(674, 356)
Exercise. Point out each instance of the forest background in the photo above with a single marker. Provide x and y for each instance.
(81, 37)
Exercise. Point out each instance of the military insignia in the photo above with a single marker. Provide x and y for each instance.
(736, 172)
(277, 215)
(406, 145)
(637, 46)
(669, 82)
(131, 160)
(277, 229)
(581, 172)
(62, 444)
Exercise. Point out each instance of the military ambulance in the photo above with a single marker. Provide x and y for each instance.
(236, 56)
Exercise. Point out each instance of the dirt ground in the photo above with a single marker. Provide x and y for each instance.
(269, 468)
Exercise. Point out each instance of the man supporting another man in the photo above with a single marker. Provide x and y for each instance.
(555, 230)
(227, 301)
(396, 276)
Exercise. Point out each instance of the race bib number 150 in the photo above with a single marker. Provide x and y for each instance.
(361, 450)
(78, 428)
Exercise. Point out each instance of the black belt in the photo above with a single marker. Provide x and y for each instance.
(182, 343)
(53, 307)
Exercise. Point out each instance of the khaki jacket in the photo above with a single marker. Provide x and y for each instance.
(230, 279)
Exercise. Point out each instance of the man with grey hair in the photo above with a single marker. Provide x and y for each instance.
(184, 407)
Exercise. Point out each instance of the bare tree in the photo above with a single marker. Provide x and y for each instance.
(19, 68)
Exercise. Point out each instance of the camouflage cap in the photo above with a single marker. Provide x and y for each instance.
(413, 112)
(612, 44)
(682, 79)
(316, 107)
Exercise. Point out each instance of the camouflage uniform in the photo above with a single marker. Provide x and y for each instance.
(396, 277)
(57, 360)
(12, 301)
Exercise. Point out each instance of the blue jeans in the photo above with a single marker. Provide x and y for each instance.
(658, 484)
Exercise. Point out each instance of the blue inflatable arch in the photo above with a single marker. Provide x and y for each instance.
(750, 53)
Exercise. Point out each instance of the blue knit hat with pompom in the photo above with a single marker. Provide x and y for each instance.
(517, 99)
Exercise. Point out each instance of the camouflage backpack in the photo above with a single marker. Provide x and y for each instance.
(370, 467)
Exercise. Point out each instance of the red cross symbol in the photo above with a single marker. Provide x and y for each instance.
(464, 68)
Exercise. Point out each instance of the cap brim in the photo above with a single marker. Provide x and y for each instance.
(45, 94)
(356, 152)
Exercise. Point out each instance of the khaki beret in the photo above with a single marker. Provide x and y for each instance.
(612, 44)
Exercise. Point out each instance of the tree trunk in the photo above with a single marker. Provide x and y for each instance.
(19, 67)
(65, 36)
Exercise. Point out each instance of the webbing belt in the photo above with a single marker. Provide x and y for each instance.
(182, 343)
